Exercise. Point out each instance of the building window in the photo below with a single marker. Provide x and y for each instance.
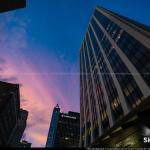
(137, 53)
(125, 78)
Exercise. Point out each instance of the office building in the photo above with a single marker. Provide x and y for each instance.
(114, 81)
(53, 127)
(8, 5)
(19, 130)
(64, 129)
(12, 118)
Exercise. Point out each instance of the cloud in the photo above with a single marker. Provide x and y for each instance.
(43, 77)
(38, 138)
(2, 61)
(23, 100)
(24, 137)
(10, 79)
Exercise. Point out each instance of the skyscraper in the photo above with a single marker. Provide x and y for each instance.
(114, 81)
(53, 127)
(19, 129)
(7, 5)
(64, 129)
(12, 118)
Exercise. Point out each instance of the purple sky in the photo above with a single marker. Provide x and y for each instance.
(40, 50)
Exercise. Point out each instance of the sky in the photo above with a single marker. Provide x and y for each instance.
(39, 48)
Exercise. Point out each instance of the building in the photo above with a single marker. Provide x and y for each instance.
(25, 144)
(20, 127)
(64, 129)
(53, 127)
(7, 5)
(12, 118)
(114, 81)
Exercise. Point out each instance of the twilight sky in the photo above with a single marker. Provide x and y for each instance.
(40, 50)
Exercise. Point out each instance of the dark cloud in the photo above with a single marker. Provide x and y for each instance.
(24, 137)
(20, 84)
(2, 61)
(36, 118)
(2, 78)
(1, 69)
(9, 79)
(24, 100)
(40, 118)
(30, 125)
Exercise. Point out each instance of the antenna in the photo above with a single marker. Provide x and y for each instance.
(57, 106)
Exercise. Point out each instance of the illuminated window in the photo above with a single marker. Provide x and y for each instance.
(126, 92)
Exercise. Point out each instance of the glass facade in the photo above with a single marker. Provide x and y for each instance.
(129, 87)
(107, 79)
(138, 54)
(53, 127)
(102, 64)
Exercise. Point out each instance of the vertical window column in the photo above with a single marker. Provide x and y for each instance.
(100, 76)
(117, 85)
(83, 133)
(138, 78)
(94, 90)
(88, 96)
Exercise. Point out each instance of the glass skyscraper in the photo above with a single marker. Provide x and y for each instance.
(53, 127)
(115, 77)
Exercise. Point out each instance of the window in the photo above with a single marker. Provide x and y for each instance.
(137, 53)
(125, 78)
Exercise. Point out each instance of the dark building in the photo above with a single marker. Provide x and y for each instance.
(114, 81)
(25, 144)
(64, 129)
(7, 5)
(12, 118)
(20, 127)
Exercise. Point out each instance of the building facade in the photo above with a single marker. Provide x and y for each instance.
(53, 127)
(8, 5)
(64, 129)
(19, 129)
(114, 81)
(12, 118)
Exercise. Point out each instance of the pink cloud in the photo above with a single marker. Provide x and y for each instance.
(40, 91)
(34, 90)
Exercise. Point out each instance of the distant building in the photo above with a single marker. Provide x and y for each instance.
(25, 144)
(64, 129)
(12, 118)
(53, 127)
(114, 81)
(7, 5)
